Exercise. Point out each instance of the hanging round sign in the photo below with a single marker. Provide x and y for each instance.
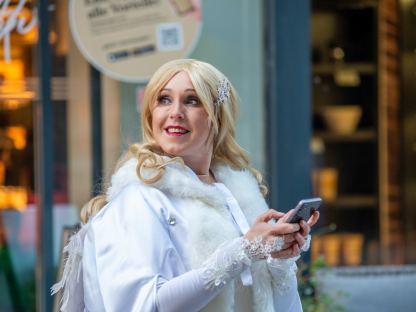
(129, 39)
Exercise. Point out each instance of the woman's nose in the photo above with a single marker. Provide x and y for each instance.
(177, 110)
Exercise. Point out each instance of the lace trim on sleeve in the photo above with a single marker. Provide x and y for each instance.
(230, 259)
(282, 271)
(307, 244)
(257, 249)
(226, 263)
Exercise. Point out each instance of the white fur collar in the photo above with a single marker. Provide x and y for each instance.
(177, 180)
(181, 181)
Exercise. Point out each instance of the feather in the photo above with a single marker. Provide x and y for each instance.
(71, 282)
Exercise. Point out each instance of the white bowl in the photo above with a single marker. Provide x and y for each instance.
(342, 119)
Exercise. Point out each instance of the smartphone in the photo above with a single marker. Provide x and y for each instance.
(304, 209)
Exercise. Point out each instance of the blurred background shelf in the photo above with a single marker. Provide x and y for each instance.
(364, 135)
(363, 68)
(353, 202)
(357, 161)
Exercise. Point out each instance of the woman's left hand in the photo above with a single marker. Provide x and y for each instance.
(305, 227)
(290, 251)
(295, 241)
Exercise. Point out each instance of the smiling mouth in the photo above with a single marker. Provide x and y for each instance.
(176, 131)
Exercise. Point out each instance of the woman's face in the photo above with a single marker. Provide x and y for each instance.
(180, 123)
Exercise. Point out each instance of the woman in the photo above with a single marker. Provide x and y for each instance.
(184, 225)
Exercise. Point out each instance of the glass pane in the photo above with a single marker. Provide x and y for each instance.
(17, 210)
(408, 59)
(19, 82)
(344, 145)
(363, 145)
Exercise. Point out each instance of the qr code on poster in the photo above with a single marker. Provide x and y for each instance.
(169, 37)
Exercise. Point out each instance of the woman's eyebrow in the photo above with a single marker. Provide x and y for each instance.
(186, 90)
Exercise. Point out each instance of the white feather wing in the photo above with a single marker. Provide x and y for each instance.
(71, 283)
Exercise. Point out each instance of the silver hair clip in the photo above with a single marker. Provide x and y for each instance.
(223, 89)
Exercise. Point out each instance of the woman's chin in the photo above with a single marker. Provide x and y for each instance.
(173, 152)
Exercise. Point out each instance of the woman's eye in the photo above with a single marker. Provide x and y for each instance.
(163, 99)
(192, 100)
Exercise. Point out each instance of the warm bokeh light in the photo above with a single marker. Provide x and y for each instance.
(12, 71)
(18, 135)
(13, 197)
(13, 89)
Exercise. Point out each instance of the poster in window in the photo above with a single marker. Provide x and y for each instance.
(129, 39)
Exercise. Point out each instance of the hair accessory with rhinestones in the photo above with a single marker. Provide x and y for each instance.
(223, 89)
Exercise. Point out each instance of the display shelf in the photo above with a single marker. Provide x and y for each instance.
(353, 202)
(345, 71)
(363, 68)
(362, 135)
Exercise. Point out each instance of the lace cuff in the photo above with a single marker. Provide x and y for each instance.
(230, 258)
(307, 244)
(282, 271)
(257, 249)
(226, 263)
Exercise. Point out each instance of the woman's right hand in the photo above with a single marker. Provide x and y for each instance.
(269, 232)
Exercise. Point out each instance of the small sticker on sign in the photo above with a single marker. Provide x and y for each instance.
(169, 37)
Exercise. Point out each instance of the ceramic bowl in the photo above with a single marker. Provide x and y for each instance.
(342, 119)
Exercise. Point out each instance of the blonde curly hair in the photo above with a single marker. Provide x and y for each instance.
(205, 78)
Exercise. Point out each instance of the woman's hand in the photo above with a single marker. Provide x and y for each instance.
(268, 231)
(263, 238)
(305, 227)
(293, 234)
(295, 241)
